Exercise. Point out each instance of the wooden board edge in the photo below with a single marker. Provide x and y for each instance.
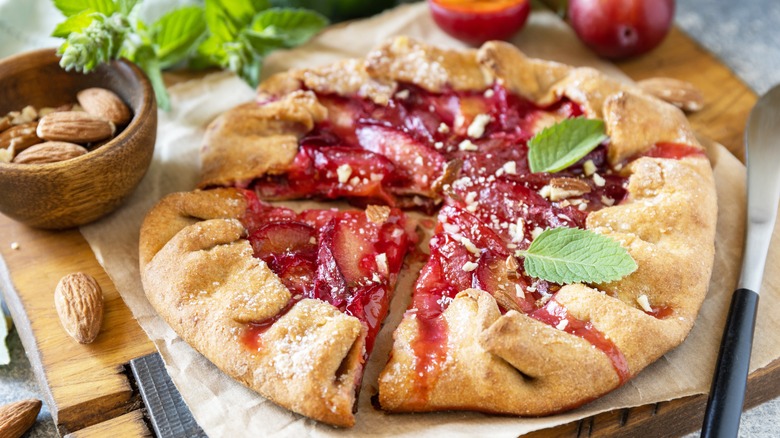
(683, 415)
(24, 329)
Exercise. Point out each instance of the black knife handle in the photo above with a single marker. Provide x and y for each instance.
(727, 395)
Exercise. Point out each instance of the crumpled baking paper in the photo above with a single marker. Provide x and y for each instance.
(224, 407)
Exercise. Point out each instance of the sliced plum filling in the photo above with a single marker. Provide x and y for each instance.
(350, 259)
(463, 149)
(394, 154)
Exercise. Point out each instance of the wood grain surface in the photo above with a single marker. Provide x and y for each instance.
(82, 384)
(86, 387)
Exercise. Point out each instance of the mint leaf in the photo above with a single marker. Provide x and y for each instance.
(125, 6)
(74, 23)
(176, 33)
(563, 144)
(73, 7)
(291, 27)
(226, 18)
(572, 255)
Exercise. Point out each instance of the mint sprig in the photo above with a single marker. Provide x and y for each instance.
(232, 34)
(572, 255)
(563, 144)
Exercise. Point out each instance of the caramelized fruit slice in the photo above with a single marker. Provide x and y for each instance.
(289, 248)
(417, 164)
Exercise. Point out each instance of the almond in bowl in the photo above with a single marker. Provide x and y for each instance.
(75, 145)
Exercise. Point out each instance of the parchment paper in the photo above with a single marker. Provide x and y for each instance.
(223, 407)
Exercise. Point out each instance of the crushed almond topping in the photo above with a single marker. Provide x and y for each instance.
(477, 127)
(443, 128)
(517, 231)
(344, 172)
(644, 303)
(519, 291)
(381, 263)
(536, 232)
(589, 168)
(562, 325)
(377, 177)
(378, 214)
(511, 266)
(470, 246)
(469, 266)
(419, 160)
(312, 240)
(618, 166)
(510, 167)
(544, 192)
(599, 180)
(354, 181)
(403, 94)
(582, 207)
(607, 201)
(489, 93)
(467, 145)
(376, 278)
(562, 188)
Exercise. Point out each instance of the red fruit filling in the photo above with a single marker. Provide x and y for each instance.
(340, 257)
(493, 206)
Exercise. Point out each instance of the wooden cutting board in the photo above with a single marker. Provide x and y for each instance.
(87, 388)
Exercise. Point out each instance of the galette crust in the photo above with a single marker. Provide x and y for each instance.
(510, 363)
(199, 273)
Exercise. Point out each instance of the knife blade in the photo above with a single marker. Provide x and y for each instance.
(169, 415)
(727, 393)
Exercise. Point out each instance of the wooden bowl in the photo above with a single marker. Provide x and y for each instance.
(76, 191)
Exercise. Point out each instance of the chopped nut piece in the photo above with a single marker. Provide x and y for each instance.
(344, 172)
(589, 168)
(599, 180)
(511, 266)
(469, 266)
(644, 303)
(562, 188)
(467, 145)
(477, 127)
(449, 174)
(378, 214)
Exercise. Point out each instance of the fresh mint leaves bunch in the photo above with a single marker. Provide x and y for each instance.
(231, 34)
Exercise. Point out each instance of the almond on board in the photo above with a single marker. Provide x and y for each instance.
(79, 302)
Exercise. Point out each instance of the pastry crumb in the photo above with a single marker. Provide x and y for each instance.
(15, 246)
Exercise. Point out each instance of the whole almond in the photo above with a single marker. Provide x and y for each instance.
(104, 103)
(79, 302)
(679, 93)
(49, 152)
(75, 127)
(20, 136)
(16, 418)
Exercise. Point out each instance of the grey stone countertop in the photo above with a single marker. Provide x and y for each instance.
(744, 35)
